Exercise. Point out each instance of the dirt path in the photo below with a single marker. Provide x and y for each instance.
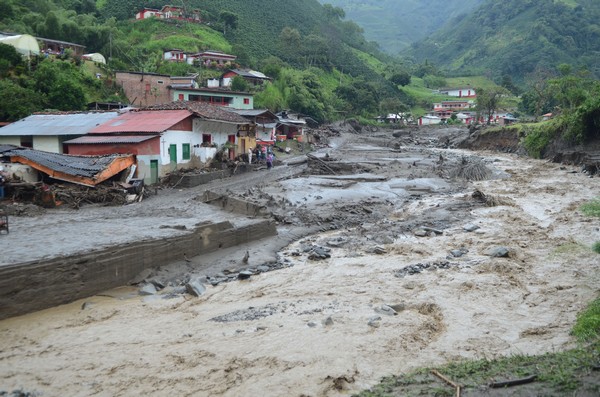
(325, 327)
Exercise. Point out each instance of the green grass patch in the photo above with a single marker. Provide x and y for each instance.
(568, 248)
(587, 327)
(560, 373)
(596, 247)
(373, 63)
(592, 208)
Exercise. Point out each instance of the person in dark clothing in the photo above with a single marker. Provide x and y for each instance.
(1, 186)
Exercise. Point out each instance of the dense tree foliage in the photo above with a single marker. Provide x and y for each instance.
(489, 100)
(514, 37)
(17, 101)
(575, 104)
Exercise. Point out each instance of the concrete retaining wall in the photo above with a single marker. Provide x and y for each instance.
(231, 204)
(201, 179)
(193, 180)
(38, 285)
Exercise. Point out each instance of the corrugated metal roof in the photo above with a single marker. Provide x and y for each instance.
(253, 112)
(57, 124)
(110, 139)
(143, 121)
(250, 73)
(6, 148)
(85, 166)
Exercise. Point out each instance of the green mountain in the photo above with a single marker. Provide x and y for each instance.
(396, 24)
(516, 37)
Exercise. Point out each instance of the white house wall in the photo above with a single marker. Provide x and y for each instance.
(47, 144)
(143, 168)
(264, 134)
(10, 140)
(219, 131)
(178, 138)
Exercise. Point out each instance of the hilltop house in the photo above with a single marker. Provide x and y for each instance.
(28, 45)
(211, 59)
(251, 76)
(58, 47)
(175, 55)
(170, 12)
(460, 92)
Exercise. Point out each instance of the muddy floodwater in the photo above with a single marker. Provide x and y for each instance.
(408, 264)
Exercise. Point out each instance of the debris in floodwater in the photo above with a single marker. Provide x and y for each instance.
(420, 267)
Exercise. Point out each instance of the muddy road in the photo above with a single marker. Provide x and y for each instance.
(393, 253)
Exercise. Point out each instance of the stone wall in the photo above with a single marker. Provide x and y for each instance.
(41, 284)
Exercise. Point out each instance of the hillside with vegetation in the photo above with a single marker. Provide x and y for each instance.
(515, 38)
(394, 25)
(321, 64)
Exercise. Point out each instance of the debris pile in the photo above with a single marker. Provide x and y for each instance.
(491, 201)
(75, 196)
(471, 170)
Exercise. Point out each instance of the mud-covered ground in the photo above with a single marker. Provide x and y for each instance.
(410, 262)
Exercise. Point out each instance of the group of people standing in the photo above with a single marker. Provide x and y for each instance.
(266, 155)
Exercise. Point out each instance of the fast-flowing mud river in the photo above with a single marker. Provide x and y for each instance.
(417, 286)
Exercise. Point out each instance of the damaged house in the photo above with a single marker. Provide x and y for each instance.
(81, 170)
(167, 137)
(38, 176)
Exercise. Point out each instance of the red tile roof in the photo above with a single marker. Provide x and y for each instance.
(143, 121)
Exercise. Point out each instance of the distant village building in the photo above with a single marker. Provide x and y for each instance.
(174, 55)
(170, 12)
(58, 47)
(394, 118)
(211, 58)
(251, 76)
(460, 92)
(445, 109)
(429, 120)
(146, 89)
